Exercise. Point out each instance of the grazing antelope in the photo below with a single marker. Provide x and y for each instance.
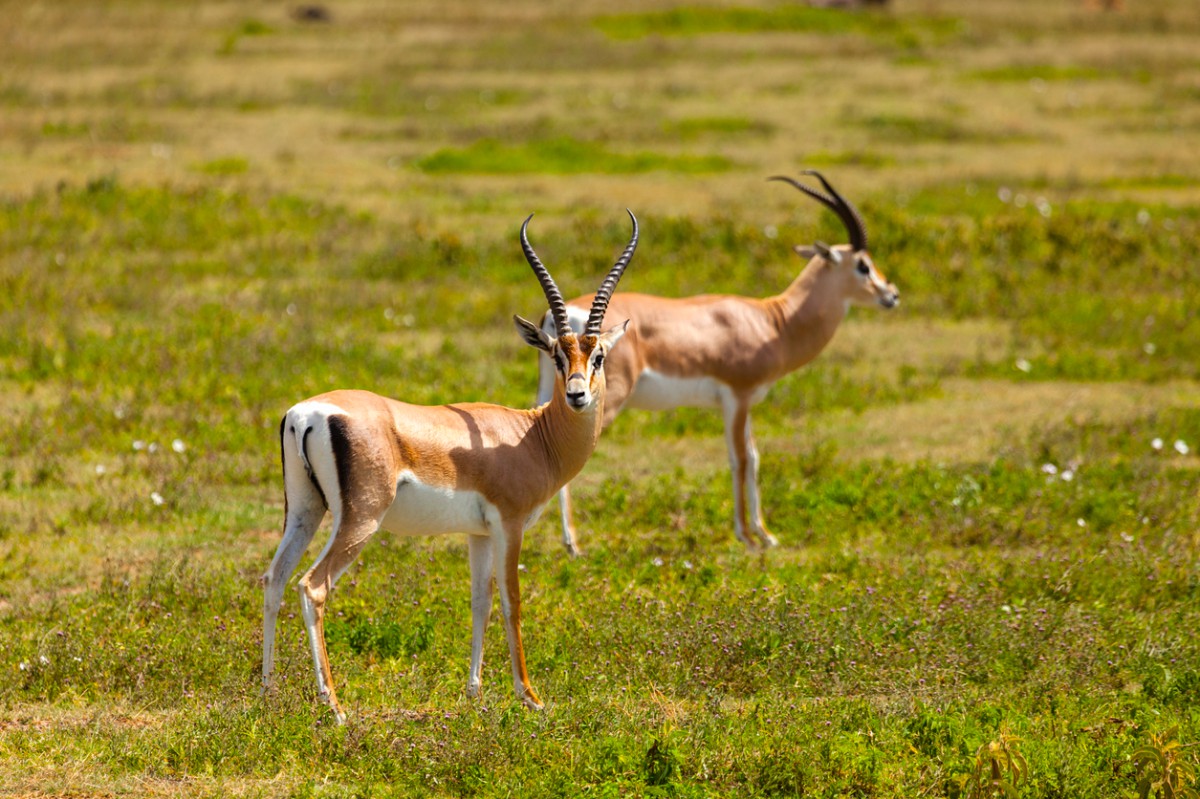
(726, 351)
(485, 470)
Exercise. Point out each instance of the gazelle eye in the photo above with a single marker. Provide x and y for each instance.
(598, 361)
(863, 268)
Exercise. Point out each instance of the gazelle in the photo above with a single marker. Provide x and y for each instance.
(485, 470)
(726, 351)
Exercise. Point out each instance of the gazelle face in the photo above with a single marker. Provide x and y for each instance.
(864, 283)
(873, 287)
(578, 360)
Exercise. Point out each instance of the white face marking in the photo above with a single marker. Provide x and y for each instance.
(421, 509)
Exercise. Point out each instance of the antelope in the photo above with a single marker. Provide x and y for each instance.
(484, 470)
(726, 351)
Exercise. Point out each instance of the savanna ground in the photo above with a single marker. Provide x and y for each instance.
(988, 498)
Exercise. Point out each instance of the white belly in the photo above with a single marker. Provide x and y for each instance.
(658, 392)
(420, 509)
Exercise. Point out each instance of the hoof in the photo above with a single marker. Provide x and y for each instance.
(530, 700)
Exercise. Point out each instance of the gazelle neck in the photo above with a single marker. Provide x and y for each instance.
(809, 311)
(568, 436)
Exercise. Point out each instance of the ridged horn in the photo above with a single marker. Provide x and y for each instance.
(852, 218)
(836, 203)
(604, 293)
(558, 307)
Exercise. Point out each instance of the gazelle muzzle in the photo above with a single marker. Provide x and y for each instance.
(578, 395)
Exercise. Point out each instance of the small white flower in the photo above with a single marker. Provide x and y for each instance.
(1023, 365)
(1005, 194)
(45, 661)
(1049, 468)
(1149, 348)
(156, 498)
(178, 445)
(139, 445)
(770, 231)
(1067, 475)
(389, 314)
(1181, 447)
(408, 320)
(1143, 217)
(152, 448)
(291, 309)
(1127, 538)
(1156, 444)
(1081, 522)
(23, 666)
(687, 564)
(101, 468)
(520, 567)
(657, 561)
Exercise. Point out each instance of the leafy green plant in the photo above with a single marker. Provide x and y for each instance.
(998, 769)
(1163, 769)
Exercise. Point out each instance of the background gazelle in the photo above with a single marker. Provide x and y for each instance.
(481, 469)
(726, 351)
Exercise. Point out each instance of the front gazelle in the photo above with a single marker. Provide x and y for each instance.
(485, 470)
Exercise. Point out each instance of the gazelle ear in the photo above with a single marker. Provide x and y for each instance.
(611, 336)
(819, 248)
(534, 336)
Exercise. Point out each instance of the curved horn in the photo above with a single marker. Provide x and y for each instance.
(604, 293)
(852, 218)
(558, 308)
(846, 212)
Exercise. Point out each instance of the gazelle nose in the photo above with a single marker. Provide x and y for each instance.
(576, 389)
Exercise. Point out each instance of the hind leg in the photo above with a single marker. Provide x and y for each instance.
(298, 532)
(480, 550)
(305, 511)
(349, 537)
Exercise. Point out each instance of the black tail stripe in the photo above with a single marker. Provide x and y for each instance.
(308, 467)
(283, 463)
(339, 441)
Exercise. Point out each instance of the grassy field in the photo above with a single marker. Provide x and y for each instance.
(988, 500)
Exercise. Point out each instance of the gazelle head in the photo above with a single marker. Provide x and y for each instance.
(864, 283)
(578, 359)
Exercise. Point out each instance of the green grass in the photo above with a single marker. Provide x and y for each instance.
(988, 499)
(561, 156)
(782, 18)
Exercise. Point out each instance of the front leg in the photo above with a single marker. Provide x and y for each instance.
(506, 553)
(743, 464)
(479, 549)
(753, 499)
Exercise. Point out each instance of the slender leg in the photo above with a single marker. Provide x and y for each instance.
(506, 543)
(736, 412)
(305, 509)
(570, 541)
(299, 528)
(480, 551)
(752, 496)
(348, 539)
